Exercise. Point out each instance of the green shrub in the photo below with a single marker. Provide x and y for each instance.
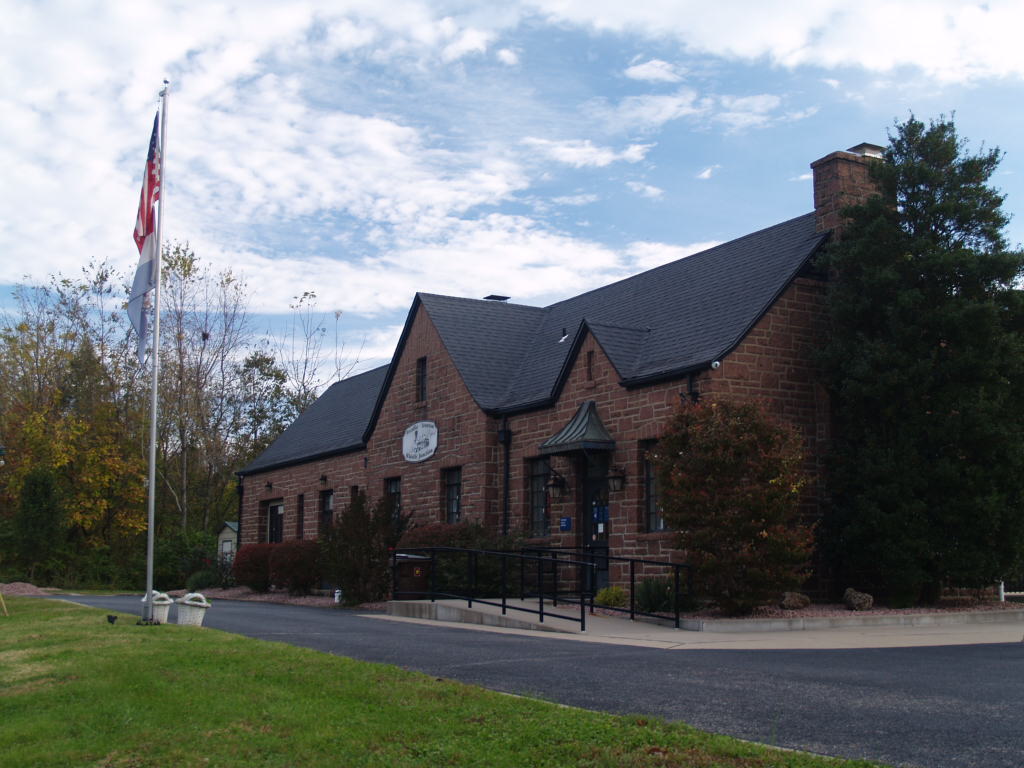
(294, 565)
(201, 580)
(654, 595)
(251, 567)
(355, 549)
(452, 568)
(177, 555)
(612, 597)
(225, 576)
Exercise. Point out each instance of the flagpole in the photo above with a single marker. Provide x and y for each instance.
(147, 612)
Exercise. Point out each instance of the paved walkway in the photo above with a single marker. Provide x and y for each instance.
(926, 629)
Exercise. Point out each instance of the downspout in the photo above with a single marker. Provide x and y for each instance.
(240, 489)
(505, 438)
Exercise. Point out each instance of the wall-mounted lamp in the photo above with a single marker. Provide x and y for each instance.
(617, 479)
(323, 479)
(269, 485)
(557, 485)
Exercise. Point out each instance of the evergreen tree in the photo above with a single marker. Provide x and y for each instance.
(39, 526)
(926, 367)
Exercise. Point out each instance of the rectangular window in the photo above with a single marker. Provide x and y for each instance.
(655, 521)
(326, 510)
(453, 494)
(393, 493)
(421, 380)
(540, 474)
(300, 515)
(590, 365)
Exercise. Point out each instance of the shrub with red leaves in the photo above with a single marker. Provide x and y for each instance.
(294, 566)
(729, 481)
(251, 567)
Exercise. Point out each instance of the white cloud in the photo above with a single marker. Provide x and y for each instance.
(508, 57)
(735, 113)
(649, 111)
(654, 70)
(952, 41)
(467, 41)
(581, 199)
(304, 146)
(740, 112)
(645, 190)
(803, 177)
(831, 82)
(581, 153)
(706, 173)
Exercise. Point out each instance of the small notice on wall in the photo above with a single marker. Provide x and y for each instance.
(419, 441)
(565, 523)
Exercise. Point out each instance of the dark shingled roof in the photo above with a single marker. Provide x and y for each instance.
(659, 324)
(487, 340)
(334, 424)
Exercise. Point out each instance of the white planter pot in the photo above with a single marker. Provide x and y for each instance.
(192, 609)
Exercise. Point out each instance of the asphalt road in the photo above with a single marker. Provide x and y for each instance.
(937, 707)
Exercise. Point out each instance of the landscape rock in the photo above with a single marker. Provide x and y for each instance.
(794, 601)
(858, 601)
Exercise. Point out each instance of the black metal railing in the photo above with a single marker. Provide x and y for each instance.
(680, 580)
(547, 574)
(483, 576)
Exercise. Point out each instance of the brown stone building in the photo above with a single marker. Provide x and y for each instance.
(536, 420)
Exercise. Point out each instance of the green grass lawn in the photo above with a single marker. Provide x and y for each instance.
(77, 691)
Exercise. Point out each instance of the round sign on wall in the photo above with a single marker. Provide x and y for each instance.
(419, 441)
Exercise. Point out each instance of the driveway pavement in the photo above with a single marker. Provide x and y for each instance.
(933, 706)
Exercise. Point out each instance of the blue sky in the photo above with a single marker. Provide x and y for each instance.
(367, 150)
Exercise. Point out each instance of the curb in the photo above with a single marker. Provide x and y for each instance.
(890, 620)
(441, 612)
(438, 611)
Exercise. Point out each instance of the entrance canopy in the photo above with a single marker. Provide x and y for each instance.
(584, 432)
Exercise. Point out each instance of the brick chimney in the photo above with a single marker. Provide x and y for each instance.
(842, 179)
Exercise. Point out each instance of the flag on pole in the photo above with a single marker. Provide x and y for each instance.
(146, 240)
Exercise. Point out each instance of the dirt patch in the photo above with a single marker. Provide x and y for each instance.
(25, 589)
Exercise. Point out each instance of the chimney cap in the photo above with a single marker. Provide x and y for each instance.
(867, 150)
(496, 297)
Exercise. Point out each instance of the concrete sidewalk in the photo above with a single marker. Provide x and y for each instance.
(890, 631)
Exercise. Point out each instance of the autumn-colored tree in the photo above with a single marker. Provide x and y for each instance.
(67, 412)
(75, 401)
(729, 481)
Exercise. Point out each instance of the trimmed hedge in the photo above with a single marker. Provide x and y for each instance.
(251, 567)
